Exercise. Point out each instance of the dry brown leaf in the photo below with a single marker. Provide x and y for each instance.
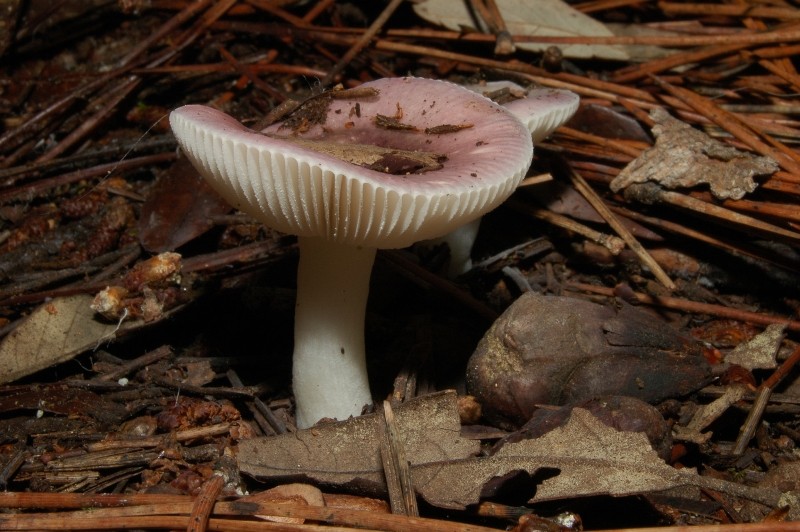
(686, 157)
(589, 457)
(55, 332)
(349, 451)
(592, 459)
(761, 352)
(543, 17)
(178, 209)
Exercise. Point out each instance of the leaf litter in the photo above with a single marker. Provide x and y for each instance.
(588, 457)
(60, 237)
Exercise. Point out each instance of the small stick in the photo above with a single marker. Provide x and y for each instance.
(365, 38)
(688, 232)
(762, 399)
(402, 496)
(123, 507)
(204, 504)
(38, 187)
(637, 72)
(488, 11)
(614, 244)
(602, 209)
(731, 10)
(165, 29)
(317, 10)
(650, 193)
(11, 467)
(675, 303)
(148, 358)
(276, 425)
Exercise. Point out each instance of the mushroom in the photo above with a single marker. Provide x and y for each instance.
(542, 111)
(456, 155)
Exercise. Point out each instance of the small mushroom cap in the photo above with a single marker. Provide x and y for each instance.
(542, 110)
(299, 190)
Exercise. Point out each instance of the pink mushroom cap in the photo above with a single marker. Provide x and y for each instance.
(301, 191)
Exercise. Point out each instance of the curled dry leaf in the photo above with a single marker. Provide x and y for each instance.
(558, 350)
(686, 157)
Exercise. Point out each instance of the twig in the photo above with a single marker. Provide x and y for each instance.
(651, 193)
(402, 496)
(748, 428)
(488, 11)
(161, 506)
(365, 38)
(591, 196)
(685, 305)
(204, 504)
(139, 362)
(614, 244)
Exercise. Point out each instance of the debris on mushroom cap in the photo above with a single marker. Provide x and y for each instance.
(302, 191)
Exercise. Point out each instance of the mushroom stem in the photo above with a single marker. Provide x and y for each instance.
(329, 366)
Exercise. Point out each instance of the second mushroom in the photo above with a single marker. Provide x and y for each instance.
(396, 161)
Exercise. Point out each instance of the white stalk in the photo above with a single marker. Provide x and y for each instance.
(329, 366)
(460, 242)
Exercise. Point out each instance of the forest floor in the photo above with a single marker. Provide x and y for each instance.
(643, 278)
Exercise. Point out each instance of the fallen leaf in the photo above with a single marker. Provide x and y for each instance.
(543, 17)
(587, 457)
(349, 451)
(178, 209)
(55, 332)
(760, 352)
(590, 457)
(626, 414)
(685, 157)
